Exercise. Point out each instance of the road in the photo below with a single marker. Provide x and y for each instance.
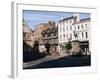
(67, 61)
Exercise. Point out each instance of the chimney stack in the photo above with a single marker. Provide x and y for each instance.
(77, 15)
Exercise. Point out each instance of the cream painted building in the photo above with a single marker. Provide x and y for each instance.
(74, 28)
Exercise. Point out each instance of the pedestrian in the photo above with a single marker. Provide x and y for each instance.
(47, 46)
(36, 46)
(57, 50)
(42, 48)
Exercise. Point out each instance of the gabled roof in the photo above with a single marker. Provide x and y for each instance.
(26, 28)
(66, 18)
(82, 20)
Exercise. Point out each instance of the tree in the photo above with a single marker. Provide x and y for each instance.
(68, 46)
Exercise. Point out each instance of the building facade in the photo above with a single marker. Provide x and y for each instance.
(27, 38)
(38, 30)
(50, 35)
(74, 28)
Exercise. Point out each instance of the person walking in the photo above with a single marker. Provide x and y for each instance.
(47, 46)
(42, 48)
(36, 46)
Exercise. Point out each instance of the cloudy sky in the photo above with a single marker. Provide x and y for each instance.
(33, 18)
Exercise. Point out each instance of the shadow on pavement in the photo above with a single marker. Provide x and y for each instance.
(71, 61)
(32, 56)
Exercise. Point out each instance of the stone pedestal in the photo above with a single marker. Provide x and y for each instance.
(75, 47)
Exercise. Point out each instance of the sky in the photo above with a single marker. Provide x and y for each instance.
(33, 18)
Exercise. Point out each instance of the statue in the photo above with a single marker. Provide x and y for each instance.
(75, 35)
